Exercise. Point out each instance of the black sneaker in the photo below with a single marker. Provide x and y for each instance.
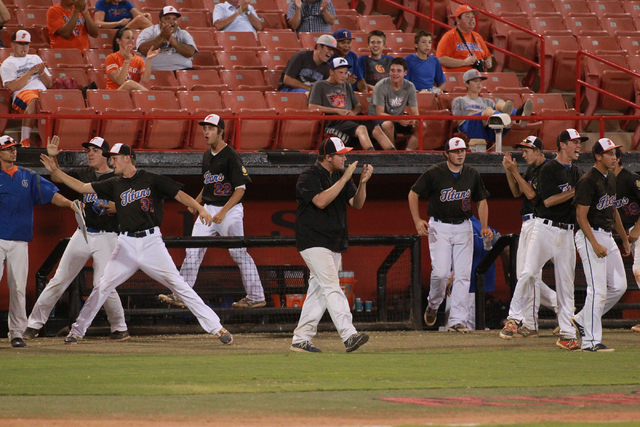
(119, 335)
(224, 336)
(598, 348)
(72, 339)
(355, 341)
(30, 333)
(430, 316)
(18, 342)
(305, 347)
(578, 326)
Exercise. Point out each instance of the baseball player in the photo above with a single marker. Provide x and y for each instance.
(323, 192)
(449, 188)
(552, 238)
(102, 227)
(138, 196)
(225, 180)
(628, 204)
(20, 190)
(597, 217)
(526, 185)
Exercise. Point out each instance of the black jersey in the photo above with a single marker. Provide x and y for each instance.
(138, 199)
(532, 176)
(324, 228)
(449, 197)
(556, 178)
(106, 222)
(223, 173)
(628, 197)
(598, 191)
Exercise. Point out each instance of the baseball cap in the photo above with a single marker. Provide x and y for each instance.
(342, 34)
(455, 144)
(463, 9)
(21, 36)
(6, 142)
(120, 148)
(97, 142)
(472, 74)
(530, 142)
(168, 10)
(327, 40)
(333, 145)
(213, 119)
(603, 145)
(337, 63)
(569, 134)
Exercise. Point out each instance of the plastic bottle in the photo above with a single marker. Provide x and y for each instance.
(487, 241)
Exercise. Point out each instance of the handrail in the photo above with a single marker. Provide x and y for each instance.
(542, 54)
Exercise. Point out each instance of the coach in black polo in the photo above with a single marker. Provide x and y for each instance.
(323, 192)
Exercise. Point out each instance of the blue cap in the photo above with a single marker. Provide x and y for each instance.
(342, 34)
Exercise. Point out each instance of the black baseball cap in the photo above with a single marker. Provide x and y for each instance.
(97, 142)
(531, 142)
(120, 148)
(333, 145)
(569, 134)
(603, 145)
(6, 141)
(214, 120)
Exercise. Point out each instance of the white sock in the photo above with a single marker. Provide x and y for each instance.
(26, 132)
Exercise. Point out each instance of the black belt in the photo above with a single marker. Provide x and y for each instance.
(143, 233)
(452, 221)
(561, 225)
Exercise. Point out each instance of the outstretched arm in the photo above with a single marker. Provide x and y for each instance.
(63, 202)
(58, 176)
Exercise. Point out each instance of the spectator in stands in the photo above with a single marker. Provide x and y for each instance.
(120, 13)
(24, 75)
(4, 17)
(390, 97)
(423, 69)
(70, 25)
(236, 15)
(177, 47)
(124, 68)
(311, 16)
(472, 104)
(335, 97)
(306, 67)
(343, 40)
(375, 66)
(456, 54)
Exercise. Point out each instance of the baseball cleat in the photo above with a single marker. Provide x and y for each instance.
(30, 333)
(18, 343)
(72, 339)
(304, 347)
(247, 303)
(430, 316)
(598, 348)
(568, 343)
(119, 335)
(355, 341)
(636, 328)
(224, 336)
(578, 326)
(510, 329)
(524, 332)
(459, 327)
(172, 299)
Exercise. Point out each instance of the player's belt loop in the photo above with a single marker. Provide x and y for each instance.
(527, 217)
(600, 229)
(561, 225)
(453, 221)
(143, 233)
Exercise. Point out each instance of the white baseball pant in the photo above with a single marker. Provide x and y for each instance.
(230, 226)
(542, 294)
(635, 248)
(451, 245)
(606, 283)
(78, 252)
(548, 242)
(16, 255)
(471, 316)
(150, 255)
(324, 293)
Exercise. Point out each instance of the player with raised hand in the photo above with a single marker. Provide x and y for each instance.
(102, 227)
(225, 181)
(138, 196)
(449, 188)
(597, 217)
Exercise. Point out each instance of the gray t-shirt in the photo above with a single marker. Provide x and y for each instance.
(394, 102)
(333, 95)
(302, 67)
(465, 106)
(168, 58)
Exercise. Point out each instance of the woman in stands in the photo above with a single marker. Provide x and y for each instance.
(124, 68)
(120, 13)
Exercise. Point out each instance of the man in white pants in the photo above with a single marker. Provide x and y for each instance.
(138, 196)
(526, 185)
(225, 182)
(102, 227)
(450, 188)
(597, 217)
(322, 193)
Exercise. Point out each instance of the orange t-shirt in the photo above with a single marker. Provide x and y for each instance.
(115, 61)
(452, 46)
(57, 17)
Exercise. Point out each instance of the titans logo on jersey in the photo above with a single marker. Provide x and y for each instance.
(131, 195)
(210, 178)
(450, 195)
(564, 187)
(606, 201)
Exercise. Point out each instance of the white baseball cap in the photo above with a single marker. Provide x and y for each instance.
(569, 134)
(97, 142)
(213, 119)
(603, 145)
(455, 144)
(168, 10)
(327, 40)
(22, 36)
(337, 63)
(6, 142)
(120, 148)
(333, 145)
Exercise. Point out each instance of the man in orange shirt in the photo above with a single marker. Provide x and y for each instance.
(70, 25)
(460, 55)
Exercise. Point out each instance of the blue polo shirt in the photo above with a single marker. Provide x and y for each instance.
(424, 73)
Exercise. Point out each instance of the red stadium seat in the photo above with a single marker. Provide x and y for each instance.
(201, 105)
(632, 7)
(365, 100)
(401, 42)
(273, 21)
(620, 25)
(414, 23)
(308, 40)
(436, 132)
(599, 45)
(345, 21)
(381, 7)
(32, 17)
(238, 41)
(453, 80)
(65, 101)
(537, 7)
(99, 77)
(549, 24)
(583, 23)
(500, 7)
(279, 41)
(376, 22)
(551, 104)
(610, 79)
(502, 80)
(185, 4)
(61, 58)
(205, 60)
(96, 57)
(161, 134)
(39, 37)
(484, 23)
(78, 74)
(515, 41)
(571, 6)
(630, 44)
(275, 60)
(155, 4)
(204, 40)
(118, 102)
(252, 80)
(239, 61)
(163, 80)
(195, 19)
(272, 77)
(201, 80)
(294, 134)
(560, 62)
(427, 101)
(602, 8)
(5, 107)
(265, 5)
(33, 4)
(254, 134)
(104, 39)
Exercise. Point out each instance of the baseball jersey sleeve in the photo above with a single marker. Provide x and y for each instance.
(584, 192)
(105, 189)
(479, 192)
(42, 190)
(422, 187)
(167, 187)
(238, 173)
(308, 187)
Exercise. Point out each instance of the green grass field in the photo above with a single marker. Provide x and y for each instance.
(192, 380)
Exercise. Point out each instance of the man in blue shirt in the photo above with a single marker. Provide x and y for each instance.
(424, 70)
